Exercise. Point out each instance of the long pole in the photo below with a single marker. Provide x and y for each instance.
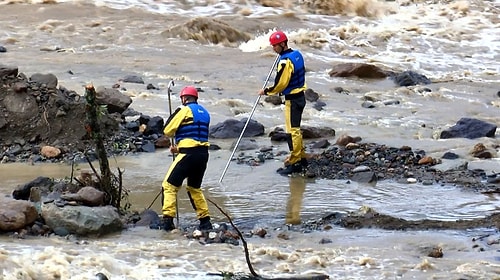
(248, 120)
(172, 142)
(169, 91)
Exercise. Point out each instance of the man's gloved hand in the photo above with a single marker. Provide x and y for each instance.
(174, 149)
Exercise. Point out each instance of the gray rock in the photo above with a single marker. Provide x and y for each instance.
(470, 128)
(83, 220)
(232, 128)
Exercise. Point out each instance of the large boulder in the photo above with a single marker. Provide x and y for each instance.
(360, 70)
(232, 128)
(82, 220)
(115, 101)
(16, 214)
(469, 128)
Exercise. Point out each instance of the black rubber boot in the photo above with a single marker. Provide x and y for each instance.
(168, 223)
(292, 168)
(205, 224)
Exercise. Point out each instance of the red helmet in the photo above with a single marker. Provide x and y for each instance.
(189, 91)
(277, 37)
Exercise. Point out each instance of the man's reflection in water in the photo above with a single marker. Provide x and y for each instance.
(297, 188)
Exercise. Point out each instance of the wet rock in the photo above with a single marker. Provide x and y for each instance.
(50, 152)
(450, 155)
(368, 105)
(207, 30)
(23, 191)
(16, 214)
(162, 142)
(147, 147)
(431, 251)
(341, 90)
(436, 252)
(352, 146)
(283, 236)
(322, 144)
(325, 241)
(45, 80)
(133, 79)
(345, 139)
(311, 95)
(360, 70)
(39, 229)
(115, 101)
(245, 145)
(101, 276)
(147, 218)
(279, 135)
(271, 3)
(83, 220)
(409, 78)
(310, 132)
(60, 231)
(88, 196)
(8, 71)
(469, 128)
(391, 102)
(151, 86)
(274, 99)
(481, 151)
(153, 125)
(261, 232)
(232, 128)
(493, 178)
(366, 177)
(318, 105)
(426, 160)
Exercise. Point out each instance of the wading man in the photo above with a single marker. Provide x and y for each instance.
(290, 81)
(189, 126)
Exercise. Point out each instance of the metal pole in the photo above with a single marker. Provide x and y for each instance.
(248, 120)
(172, 142)
(169, 90)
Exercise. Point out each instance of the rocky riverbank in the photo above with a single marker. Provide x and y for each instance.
(43, 123)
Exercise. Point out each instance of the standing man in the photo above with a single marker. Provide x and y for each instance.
(290, 81)
(189, 126)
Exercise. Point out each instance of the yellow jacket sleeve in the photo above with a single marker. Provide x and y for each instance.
(285, 70)
(175, 120)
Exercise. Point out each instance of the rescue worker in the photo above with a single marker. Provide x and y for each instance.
(189, 126)
(290, 81)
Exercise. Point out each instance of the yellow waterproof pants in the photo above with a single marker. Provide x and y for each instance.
(293, 117)
(192, 167)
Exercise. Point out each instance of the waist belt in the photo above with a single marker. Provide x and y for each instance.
(294, 95)
(194, 150)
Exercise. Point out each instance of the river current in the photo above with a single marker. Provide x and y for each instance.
(454, 43)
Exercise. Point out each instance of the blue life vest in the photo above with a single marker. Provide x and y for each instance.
(298, 78)
(198, 129)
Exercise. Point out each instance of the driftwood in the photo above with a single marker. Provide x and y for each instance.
(254, 275)
(109, 183)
